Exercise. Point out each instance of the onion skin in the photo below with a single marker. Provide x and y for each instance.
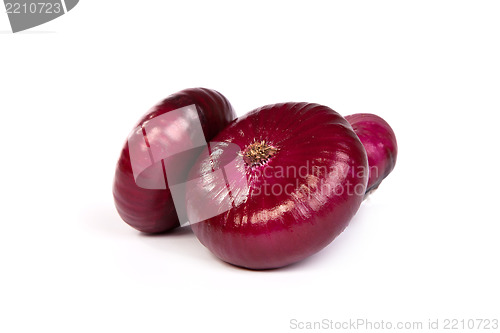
(265, 230)
(152, 210)
(380, 144)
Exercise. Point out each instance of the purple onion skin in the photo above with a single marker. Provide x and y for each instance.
(380, 144)
(265, 230)
(152, 210)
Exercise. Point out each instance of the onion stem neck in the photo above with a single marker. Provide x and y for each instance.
(258, 153)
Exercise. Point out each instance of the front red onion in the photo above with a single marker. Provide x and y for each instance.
(277, 185)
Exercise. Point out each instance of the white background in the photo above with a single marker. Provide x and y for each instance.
(425, 245)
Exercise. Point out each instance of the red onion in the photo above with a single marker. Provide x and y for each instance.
(380, 144)
(181, 122)
(277, 185)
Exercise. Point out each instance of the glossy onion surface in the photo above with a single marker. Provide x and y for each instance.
(140, 189)
(297, 177)
(380, 144)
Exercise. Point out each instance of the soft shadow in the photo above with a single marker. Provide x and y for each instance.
(104, 219)
(179, 231)
(180, 241)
